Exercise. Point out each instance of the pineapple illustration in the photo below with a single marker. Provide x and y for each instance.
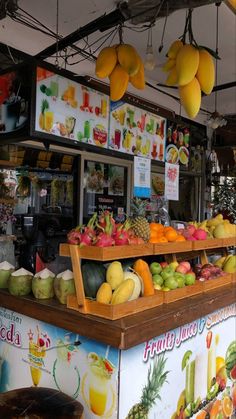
(140, 224)
(157, 376)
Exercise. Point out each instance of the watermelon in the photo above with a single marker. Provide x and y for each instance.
(94, 274)
(230, 358)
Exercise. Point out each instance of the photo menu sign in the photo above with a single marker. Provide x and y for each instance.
(136, 131)
(68, 109)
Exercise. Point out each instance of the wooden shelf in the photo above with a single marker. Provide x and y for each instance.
(7, 164)
(128, 331)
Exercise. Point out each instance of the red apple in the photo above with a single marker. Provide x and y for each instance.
(182, 269)
(163, 264)
(186, 264)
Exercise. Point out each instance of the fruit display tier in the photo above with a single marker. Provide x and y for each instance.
(85, 305)
(126, 332)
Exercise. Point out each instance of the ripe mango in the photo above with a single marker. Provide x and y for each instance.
(206, 71)
(190, 97)
(230, 265)
(106, 62)
(174, 48)
(138, 80)
(172, 78)
(114, 274)
(123, 292)
(169, 64)
(119, 80)
(187, 61)
(104, 293)
(215, 221)
(128, 59)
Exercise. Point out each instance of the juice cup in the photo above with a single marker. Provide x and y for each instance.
(121, 116)
(189, 383)
(161, 152)
(131, 116)
(138, 143)
(36, 355)
(85, 98)
(211, 367)
(87, 129)
(48, 120)
(71, 92)
(117, 138)
(54, 88)
(98, 392)
(104, 108)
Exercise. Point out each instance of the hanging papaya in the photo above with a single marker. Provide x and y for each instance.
(119, 80)
(190, 97)
(206, 71)
(106, 62)
(187, 61)
(128, 58)
(138, 80)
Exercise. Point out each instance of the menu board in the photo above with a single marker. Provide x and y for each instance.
(177, 144)
(136, 131)
(70, 110)
(104, 189)
(14, 99)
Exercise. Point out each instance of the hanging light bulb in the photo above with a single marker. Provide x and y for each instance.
(149, 63)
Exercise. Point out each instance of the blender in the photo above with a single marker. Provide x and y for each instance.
(35, 252)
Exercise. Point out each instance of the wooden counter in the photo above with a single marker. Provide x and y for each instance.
(129, 331)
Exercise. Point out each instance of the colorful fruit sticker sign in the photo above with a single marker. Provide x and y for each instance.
(68, 109)
(177, 144)
(172, 181)
(36, 355)
(136, 131)
(181, 374)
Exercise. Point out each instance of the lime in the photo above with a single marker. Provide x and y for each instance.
(186, 359)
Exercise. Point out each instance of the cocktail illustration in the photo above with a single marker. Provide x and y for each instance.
(65, 372)
(37, 353)
(97, 389)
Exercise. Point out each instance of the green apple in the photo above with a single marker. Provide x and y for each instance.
(167, 273)
(155, 268)
(180, 282)
(171, 283)
(157, 279)
(179, 275)
(173, 265)
(190, 278)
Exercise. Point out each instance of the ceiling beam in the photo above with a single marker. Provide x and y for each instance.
(102, 23)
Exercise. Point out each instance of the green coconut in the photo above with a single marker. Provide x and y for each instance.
(5, 272)
(64, 285)
(20, 282)
(42, 284)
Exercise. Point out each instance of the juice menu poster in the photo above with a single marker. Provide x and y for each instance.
(136, 131)
(189, 372)
(37, 356)
(177, 144)
(14, 99)
(70, 110)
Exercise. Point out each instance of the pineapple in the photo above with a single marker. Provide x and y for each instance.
(140, 224)
(155, 380)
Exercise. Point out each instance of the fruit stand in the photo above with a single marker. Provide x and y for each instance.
(96, 347)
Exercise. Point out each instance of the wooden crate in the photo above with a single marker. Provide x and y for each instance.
(207, 244)
(175, 247)
(109, 253)
(114, 312)
(233, 278)
(185, 292)
(212, 284)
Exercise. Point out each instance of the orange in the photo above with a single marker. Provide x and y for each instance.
(171, 235)
(159, 228)
(227, 405)
(162, 239)
(168, 229)
(180, 238)
(216, 408)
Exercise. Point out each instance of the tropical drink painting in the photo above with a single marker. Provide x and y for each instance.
(97, 387)
(38, 344)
